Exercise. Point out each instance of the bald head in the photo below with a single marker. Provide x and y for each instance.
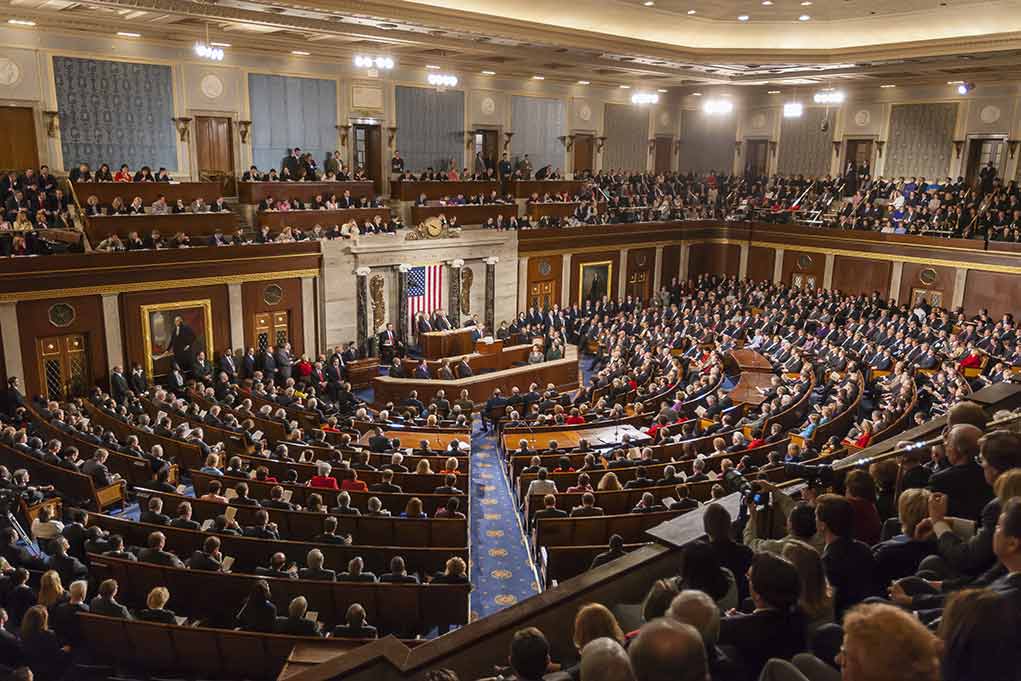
(698, 609)
(962, 443)
(667, 650)
(603, 659)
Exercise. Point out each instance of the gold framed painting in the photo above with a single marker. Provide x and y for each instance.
(933, 297)
(176, 332)
(595, 280)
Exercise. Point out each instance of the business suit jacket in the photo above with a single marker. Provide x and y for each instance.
(850, 568)
(966, 488)
(763, 634)
(118, 387)
(296, 626)
(318, 575)
(586, 511)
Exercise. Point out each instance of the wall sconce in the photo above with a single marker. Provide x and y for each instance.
(879, 147)
(836, 147)
(677, 147)
(53, 123)
(1012, 147)
(737, 147)
(344, 131)
(567, 141)
(652, 145)
(958, 148)
(391, 135)
(600, 143)
(506, 139)
(772, 147)
(182, 127)
(243, 129)
(469, 139)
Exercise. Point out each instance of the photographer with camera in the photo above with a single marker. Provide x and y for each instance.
(800, 519)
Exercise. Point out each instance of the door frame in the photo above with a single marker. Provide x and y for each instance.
(845, 144)
(970, 141)
(745, 153)
(592, 134)
(241, 160)
(497, 153)
(42, 149)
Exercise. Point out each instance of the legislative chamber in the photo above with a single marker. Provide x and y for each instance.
(621, 341)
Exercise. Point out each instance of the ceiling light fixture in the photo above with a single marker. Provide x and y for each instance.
(584, 82)
(644, 98)
(743, 17)
(442, 80)
(696, 94)
(793, 110)
(804, 17)
(207, 51)
(366, 62)
(432, 67)
(219, 44)
(965, 88)
(664, 90)
(828, 97)
(887, 85)
(720, 107)
(489, 73)
(691, 11)
(129, 34)
(300, 53)
(767, 3)
(807, 3)
(773, 92)
(649, 3)
(21, 22)
(538, 77)
(625, 87)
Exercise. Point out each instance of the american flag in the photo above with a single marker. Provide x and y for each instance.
(425, 292)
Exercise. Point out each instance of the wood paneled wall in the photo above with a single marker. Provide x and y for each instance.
(253, 302)
(995, 291)
(34, 324)
(579, 259)
(641, 268)
(943, 281)
(714, 258)
(861, 275)
(761, 263)
(545, 273)
(671, 265)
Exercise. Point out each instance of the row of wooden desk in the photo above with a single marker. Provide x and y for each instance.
(106, 192)
(563, 373)
(466, 215)
(450, 343)
(558, 209)
(306, 219)
(598, 436)
(193, 224)
(487, 357)
(404, 190)
(254, 192)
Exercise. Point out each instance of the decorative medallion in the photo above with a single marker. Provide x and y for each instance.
(432, 228)
(501, 574)
(211, 86)
(497, 553)
(506, 599)
(989, 114)
(804, 261)
(759, 121)
(488, 106)
(62, 314)
(272, 294)
(928, 276)
(862, 118)
(10, 72)
(544, 267)
(585, 112)
(664, 118)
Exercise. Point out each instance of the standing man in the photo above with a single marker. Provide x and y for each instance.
(396, 164)
(182, 344)
(388, 344)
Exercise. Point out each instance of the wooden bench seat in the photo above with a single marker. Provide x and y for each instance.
(72, 485)
(559, 563)
(598, 530)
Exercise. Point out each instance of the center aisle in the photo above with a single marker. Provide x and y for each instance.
(502, 572)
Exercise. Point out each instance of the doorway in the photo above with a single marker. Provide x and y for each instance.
(664, 155)
(540, 294)
(755, 158)
(18, 149)
(214, 151)
(859, 151)
(487, 149)
(368, 152)
(638, 285)
(271, 329)
(584, 153)
(980, 152)
(63, 366)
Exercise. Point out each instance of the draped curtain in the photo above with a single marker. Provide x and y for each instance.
(707, 143)
(804, 148)
(115, 112)
(430, 126)
(627, 131)
(291, 112)
(537, 124)
(921, 136)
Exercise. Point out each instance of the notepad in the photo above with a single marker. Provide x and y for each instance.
(286, 496)
(182, 489)
(312, 616)
(230, 493)
(227, 563)
(230, 513)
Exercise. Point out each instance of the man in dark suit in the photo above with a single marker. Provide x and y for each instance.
(183, 519)
(96, 468)
(549, 508)
(11, 398)
(449, 485)
(588, 507)
(398, 573)
(137, 379)
(106, 602)
(397, 369)
(153, 514)
(386, 484)
(209, 557)
(378, 442)
(495, 402)
(296, 623)
(227, 364)
(355, 626)
(249, 364)
(963, 482)
(315, 570)
(68, 567)
(614, 551)
(154, 553)
(464, 370)
(422, 370)
(118, 385)
(849, 564)
(424, 325)
(440, 321)
(389, 345)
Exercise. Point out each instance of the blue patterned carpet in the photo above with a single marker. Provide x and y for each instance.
(502, 572)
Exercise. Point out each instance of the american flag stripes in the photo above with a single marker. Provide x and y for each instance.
(425, 292)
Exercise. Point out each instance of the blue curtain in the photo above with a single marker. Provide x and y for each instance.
(430, 127)
(537, 124)
(115, 112)
(291, 112)
(627, 137)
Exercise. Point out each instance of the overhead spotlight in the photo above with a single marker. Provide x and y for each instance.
(209, 52)
(21, 22)
(584, 82)
(690, 12)
(214, 44)
(663, 90)
(743, 17)
(715, 107)
(804, 17)
(887, 86)
(965, 88)
(696, 94)
(538, 77)
(129, 34)
(366, 62)
(773, 92)
(624, 87)
(432, 67)
(828, 97)
(300, 53)
(649, 3)
(442, 80)
(644, 98)
(489, 73)
(793, 110)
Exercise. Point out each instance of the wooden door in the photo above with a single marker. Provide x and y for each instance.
(664, 155)
(18, 151)
(486, 149)
(981, 152)
(638, 285)
(63, 366)
(271, 329)
(858, 151)
(214, 151)
(755, 158)
(540, 294)
(584, 153)
(368, 150)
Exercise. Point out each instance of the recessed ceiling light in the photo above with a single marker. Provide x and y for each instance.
(489, 73)
(954, 82)
(21, 22)
(806, 3)
(773, 92)
(300, 53)
(691, 11)
(767, 3)
(538, 77)
(625, 87)
(662, 90)
(649, 3)
(696, 94)
(432, 66)
(743, 17)
(888, 85)
(129, 34)
(584, 82)
(804, 17)
(220, 44)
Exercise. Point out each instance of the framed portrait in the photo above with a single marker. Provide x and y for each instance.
(595, 280)
(934, 298)
(176, 332)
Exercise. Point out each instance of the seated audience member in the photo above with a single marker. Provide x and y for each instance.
(354, 625)
(850, 567)
(258, 612)
(699, 610)
(297, 623)
(154, 610)
(668, 650)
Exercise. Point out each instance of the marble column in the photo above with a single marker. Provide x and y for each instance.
(778, 266)
(742, 268)
(402, 303)
(362, 306)
(522, 284)
(490, 316)
(960, 281)
(657, 272)
(827, 275)
(621, 277)
(237, 318)
(682, 274)
(112, 331)
(12, 342)
(454, 297)
(565, 281)
(896, 273)
(308, 316)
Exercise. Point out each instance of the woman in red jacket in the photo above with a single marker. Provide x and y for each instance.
(322, 478)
